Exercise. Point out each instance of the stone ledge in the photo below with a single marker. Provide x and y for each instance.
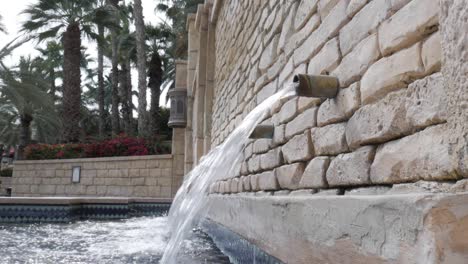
(79, 200)
(104, 159)
(408, 228)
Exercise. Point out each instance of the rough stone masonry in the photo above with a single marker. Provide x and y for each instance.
(398, 126)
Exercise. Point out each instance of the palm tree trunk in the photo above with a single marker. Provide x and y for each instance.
(125, 101)
(25, 134)
(155, 80)
(115, 118)
(102, 115)
(141, 67)
(71, 83)
(128, 65)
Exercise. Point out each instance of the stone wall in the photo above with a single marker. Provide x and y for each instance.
(142, 176)
(397, 128)
(389, 121)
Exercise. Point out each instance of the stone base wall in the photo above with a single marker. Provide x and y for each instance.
(142, 176)
(411, 228)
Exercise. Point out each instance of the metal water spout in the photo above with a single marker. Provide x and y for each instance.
(321, 86)
(262, 131)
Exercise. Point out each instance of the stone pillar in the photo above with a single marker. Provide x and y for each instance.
(193, 40)
(209, 89)
(178, 134)
(201, 24)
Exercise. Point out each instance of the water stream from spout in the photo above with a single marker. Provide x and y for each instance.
(191, 203)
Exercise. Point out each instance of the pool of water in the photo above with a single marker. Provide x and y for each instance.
(135, 240)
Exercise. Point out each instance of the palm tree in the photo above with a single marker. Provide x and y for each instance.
(141, 67)
(24, 99)
(51, 61)
(68, 20)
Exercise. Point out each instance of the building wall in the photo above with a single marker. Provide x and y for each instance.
(142, 176)
(389, 121)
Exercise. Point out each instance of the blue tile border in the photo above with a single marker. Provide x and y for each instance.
(239, 250)
(28, 213)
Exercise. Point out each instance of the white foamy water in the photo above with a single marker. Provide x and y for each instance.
(130, 241)
(191, 204)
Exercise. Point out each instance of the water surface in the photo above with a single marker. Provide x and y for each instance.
(135, 240)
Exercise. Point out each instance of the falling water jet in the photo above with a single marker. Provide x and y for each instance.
(191, 202)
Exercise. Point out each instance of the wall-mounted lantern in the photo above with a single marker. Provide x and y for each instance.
(76, 174)
(178, 117)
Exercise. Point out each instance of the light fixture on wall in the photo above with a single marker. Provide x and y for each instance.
(76, 174)
(178, 117)
(320, 86)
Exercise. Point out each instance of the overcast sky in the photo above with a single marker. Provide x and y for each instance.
(12, 19)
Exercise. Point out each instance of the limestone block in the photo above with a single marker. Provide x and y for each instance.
(267, 181)
(304, 12)
(288, 111)
(253, 164)
(325, 6)
(261, 145)
(408, 25)
(425, 155)
(328, 28)
(299, 148)
(378, 122)
(244, 168)
(391, 73)
(267, 91)
(363, 24)
(431, 53)
(254, 182)
(399, 113)
(351, 168)
(326, 59)
(290, 175)
(354, 6)
(287, 28)
(303, 121)
(246, 183)
(286, 72)
(234, 185)
(329, 140)
(299, 37)
(277, 67)
(248, 151)
(355, 64)
(315, 173)
(304, 103)
(269, 54)
(339, 108)
(426, 101)
(278, 135)
(271, 159)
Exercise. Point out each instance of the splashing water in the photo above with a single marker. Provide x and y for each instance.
(191, 202)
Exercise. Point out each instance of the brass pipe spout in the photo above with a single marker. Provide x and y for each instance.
(262, 131)
(321, 86)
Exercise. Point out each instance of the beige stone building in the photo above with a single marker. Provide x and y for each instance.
(380, 168)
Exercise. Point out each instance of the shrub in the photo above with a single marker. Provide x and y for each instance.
(6, 172)
(119, 146)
